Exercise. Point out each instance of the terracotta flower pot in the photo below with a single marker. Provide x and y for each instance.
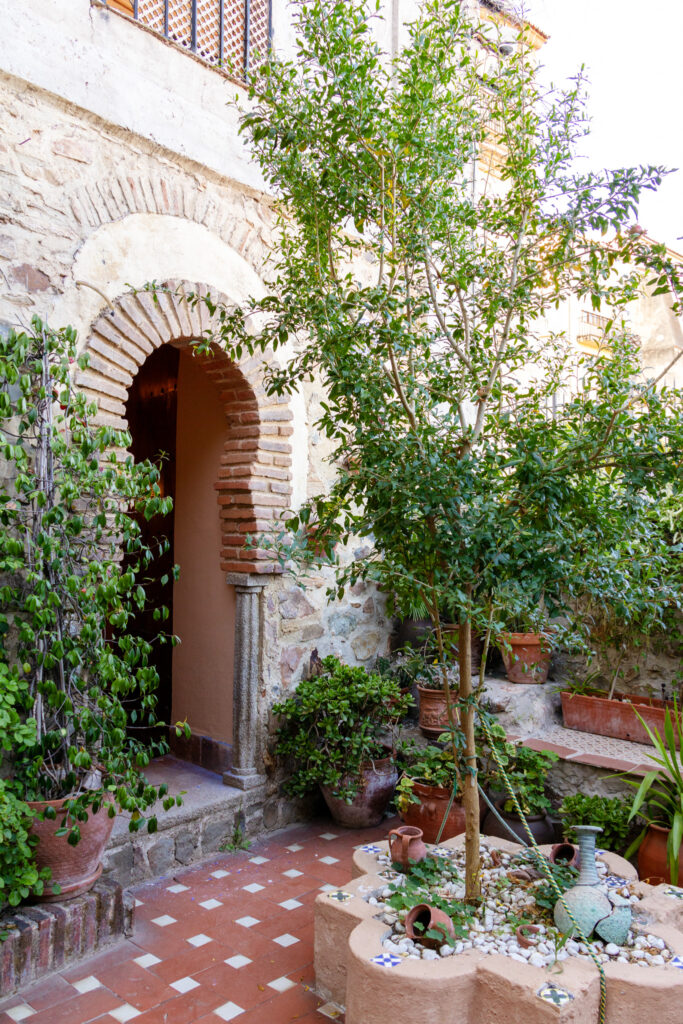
(367, 809)
(615, 716)
(653, 863)
(429, 813)
(540, 825)
(428, 917)
(406, 845)
(433, 719)
(526, 657)
(74, 868)
(566, 852)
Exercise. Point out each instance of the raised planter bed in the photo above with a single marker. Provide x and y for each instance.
(355, 970)
(614, 716)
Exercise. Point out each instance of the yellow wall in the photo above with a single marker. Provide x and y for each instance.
(203, 604)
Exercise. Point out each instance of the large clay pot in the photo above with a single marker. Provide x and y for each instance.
(540, 825)
(433, 719)
(653, 863)
(405, 845)
(526, 657)
(429, 813)
(428, 917)
(74, 868)
(367, 809)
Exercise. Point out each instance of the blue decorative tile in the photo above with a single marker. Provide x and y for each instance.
(388, 874)
(674, 891)
(386, 960)
(340, 896)
(369, 848)
(677, 961)
(615, 881)
(555, 995)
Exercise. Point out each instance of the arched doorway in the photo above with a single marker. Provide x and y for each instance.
(246, 466)
(175, 416)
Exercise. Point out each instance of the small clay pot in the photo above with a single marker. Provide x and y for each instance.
(433, 718)
(524, 935)
(429, 918)
(566, 852)
(526, 657)
(405, 845)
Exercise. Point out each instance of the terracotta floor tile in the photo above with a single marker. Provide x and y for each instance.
(136, 985)
(287, 1008)
(108, 957)
(79, 1010)
(49, 992)
(149, 988)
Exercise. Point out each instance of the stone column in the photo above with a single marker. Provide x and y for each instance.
(247, 770)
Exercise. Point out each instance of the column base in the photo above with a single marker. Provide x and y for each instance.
(243, 778)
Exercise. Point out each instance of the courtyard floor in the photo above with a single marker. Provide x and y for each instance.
(230, 939)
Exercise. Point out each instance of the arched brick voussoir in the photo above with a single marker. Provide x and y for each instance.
(253, 484)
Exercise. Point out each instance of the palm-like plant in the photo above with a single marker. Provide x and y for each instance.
(661, 791)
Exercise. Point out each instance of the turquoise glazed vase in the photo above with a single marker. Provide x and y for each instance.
(588, 901)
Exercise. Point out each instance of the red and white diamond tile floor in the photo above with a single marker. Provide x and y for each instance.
(230, 939)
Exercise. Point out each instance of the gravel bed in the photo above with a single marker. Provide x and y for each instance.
(492, 932)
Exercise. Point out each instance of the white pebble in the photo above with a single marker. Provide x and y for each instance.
(430, 954)
(611, 949)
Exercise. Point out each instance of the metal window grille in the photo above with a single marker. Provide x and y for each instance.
(232, 34)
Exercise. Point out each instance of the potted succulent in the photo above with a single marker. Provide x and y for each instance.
(428, 782)
(74, 569)
(336, 731)
(527, 771)
(659, 800)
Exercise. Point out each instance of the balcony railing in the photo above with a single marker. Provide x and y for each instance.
(230, 34)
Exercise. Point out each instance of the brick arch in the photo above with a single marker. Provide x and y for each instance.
(253, 485)
(242, 222)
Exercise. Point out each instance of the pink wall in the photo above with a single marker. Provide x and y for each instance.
(203, 604)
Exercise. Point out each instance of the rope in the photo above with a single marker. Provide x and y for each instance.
(540, 860)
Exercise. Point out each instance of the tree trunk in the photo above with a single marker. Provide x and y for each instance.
(471, 793)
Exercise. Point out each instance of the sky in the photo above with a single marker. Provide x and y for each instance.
(633, 51)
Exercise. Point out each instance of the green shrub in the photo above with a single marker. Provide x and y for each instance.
(610, 813)
(334, 723)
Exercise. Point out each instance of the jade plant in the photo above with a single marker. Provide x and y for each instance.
(77, 683)
(335, 724)
(612, 814)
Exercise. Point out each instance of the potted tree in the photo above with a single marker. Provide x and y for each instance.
(73, 569)
(473, 468)
(336, 729)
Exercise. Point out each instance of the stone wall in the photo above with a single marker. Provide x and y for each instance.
(89, 213)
